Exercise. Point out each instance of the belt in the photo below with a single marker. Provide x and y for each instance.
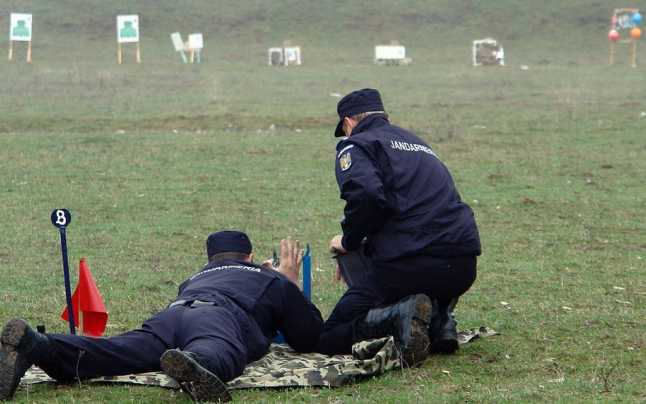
(190, 303)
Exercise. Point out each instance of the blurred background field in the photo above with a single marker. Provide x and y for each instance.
(150, 158)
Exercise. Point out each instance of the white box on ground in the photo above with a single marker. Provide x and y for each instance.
(292, 55)
(488, 52)
(196, 41)
(127, 28)
(391, 55)
(286, 56)
(20, 27)
(390, 52)
(275, 57)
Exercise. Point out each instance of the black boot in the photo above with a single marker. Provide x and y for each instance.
(406, 321)
(21, 347)
(200, 383)
(443, 331)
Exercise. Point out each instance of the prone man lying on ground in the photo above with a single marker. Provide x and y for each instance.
(223, 318)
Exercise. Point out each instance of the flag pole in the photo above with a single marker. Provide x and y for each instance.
(61, 218)
(66, 275)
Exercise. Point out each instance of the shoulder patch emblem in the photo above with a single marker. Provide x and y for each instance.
(345, 161)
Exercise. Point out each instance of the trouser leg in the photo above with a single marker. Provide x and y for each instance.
(77, 357)
(215, 336)
(439, 278)
(355, 267)
(338, 331)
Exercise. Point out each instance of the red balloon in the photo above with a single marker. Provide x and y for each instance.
(613, 35)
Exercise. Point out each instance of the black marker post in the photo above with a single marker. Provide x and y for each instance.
(61, 218)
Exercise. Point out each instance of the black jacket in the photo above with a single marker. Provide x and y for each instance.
(265, 295)
(400, 196)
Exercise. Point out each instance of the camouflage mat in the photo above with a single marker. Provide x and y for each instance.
(282, 367)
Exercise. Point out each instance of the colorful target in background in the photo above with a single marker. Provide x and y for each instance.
(624, 28)
(624, 24)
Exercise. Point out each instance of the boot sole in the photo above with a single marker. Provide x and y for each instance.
(416, 351)
(11, 362)
(198, 382)
(13, 332)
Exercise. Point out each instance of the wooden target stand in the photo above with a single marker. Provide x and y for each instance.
(120, 53)
(627, 20)
(195, 54)
(28, 59)
(633, 51)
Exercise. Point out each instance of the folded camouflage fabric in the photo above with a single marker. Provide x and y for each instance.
(282, 367)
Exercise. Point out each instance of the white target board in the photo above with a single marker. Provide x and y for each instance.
(127, 28)
(275, 56)
(487, 52)
(285, 56)
(293, 56)
(178, 43)
(20, 27)
(196, 41)
(390, 52)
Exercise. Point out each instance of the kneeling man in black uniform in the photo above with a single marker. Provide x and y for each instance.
(224, 317)
(406, 232)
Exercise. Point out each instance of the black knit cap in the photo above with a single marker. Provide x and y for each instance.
(227, 241)
(365, 100)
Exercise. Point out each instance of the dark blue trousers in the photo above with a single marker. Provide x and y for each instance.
(372, 284)
(215, 333)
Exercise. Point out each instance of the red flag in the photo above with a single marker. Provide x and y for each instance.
(86, 296)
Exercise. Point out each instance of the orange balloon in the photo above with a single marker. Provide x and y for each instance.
(635, 33)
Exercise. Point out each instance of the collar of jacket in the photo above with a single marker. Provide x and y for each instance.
(370, 122)
(228, 261)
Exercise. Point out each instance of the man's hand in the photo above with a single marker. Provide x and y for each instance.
(335, 245)
(291, 257)
(336, 248)
(337, 275)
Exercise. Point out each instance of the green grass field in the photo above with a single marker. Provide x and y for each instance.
(152, 158)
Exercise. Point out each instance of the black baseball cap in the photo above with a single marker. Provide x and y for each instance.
(228, 241)
(364, 100)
